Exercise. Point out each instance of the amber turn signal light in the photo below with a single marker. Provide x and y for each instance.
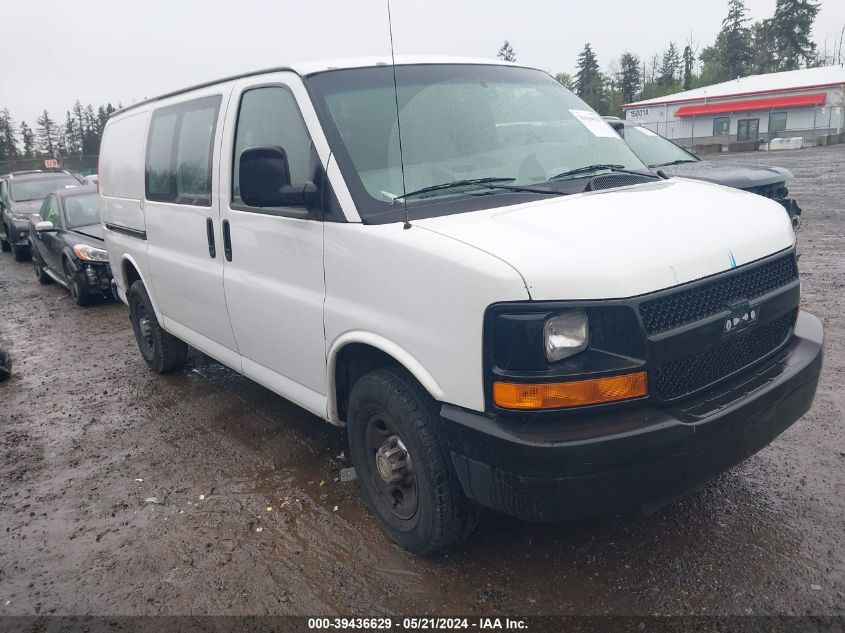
(576, 393)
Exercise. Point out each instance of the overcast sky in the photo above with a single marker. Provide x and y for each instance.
(55, 51)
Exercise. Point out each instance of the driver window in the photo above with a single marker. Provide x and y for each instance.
(270, 116)
(53, 212)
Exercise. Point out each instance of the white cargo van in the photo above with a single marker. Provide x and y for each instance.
(502, 305)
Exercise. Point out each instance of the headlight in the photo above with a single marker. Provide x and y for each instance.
(566, 335)
(90, 254)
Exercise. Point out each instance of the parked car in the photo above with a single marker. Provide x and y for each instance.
(659, 152)
(21, 194)
(66, 241)
(509, 310)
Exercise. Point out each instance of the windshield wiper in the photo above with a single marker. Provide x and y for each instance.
(597, 167)
(675, 162)
(452, 185)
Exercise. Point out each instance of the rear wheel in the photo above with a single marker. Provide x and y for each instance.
(163, 352)
(403, 464)
(42, 275)
(77, 289)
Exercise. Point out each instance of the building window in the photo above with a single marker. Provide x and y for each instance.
(747, 129)
(777, 122)
(721, 126)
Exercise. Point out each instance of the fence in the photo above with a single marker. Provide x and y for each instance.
(82, 164)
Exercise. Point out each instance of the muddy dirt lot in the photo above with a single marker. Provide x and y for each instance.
(248, 516)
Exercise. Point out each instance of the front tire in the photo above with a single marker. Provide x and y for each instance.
(77, 290)
(4, 245)
(163, 352)
(404, 468)
(42, 275)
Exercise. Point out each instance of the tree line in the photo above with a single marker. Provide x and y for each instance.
(742, 48)
(79, 135)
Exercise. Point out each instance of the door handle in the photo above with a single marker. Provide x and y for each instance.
(209, 231)
(227, 241)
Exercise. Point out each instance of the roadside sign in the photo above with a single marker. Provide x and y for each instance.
(51, 163)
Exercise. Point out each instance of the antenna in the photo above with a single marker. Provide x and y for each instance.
(398, 124)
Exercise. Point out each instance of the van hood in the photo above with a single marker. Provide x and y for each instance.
(624, 242)
(730, 174)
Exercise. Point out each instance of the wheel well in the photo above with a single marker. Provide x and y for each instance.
(130, 274)
(353, 361)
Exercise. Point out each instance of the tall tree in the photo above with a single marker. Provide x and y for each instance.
(589, 80)
(47, 134)
(669, 67)
(689, 60)
(73, 145)
(507, 53)
(735, 47)
(630, 78)
(763, 51)
(28, 137)
(8, 140)
(791, 28)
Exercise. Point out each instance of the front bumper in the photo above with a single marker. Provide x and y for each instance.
(17, 232)
(637, 456)
(792, 209)
(96, 278)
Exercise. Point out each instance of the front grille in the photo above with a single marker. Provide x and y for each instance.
(685, 375)
(709, 298)
(775, 191)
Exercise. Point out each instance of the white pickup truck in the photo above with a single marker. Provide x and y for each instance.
(464, 265)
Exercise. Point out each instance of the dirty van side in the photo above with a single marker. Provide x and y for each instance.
(557, 332)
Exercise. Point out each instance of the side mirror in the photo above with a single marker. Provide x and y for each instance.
(264, 179)
(44, 225)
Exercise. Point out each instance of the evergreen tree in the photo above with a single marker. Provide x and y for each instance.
(506, 53)
(790, 28)
(669, 67)
(47, 134)
(28, 137)
(689, 59)
(763, 52)
(630, 78)
(8, 140)
(735, 47)
(589, 80)
(72, 145)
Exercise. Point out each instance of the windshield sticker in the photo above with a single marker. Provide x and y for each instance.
(595, 124)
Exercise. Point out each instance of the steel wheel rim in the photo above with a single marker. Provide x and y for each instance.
(144, 327)
(400, 497)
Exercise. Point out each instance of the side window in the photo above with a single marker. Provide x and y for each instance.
(179, 152)
(270, 116)
(3, 191)
(45, 206)
(53, 212)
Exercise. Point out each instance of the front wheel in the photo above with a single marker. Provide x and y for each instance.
(163, 352)
(77, 290)
(42, 275)
(4, 245)
(404, 469)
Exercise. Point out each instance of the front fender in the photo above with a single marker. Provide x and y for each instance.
(392, 349)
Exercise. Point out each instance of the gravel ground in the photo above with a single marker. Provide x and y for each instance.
(124, 492)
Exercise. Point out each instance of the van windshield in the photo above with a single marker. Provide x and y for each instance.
(458, 122)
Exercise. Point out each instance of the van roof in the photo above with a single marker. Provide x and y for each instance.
(303, 69)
